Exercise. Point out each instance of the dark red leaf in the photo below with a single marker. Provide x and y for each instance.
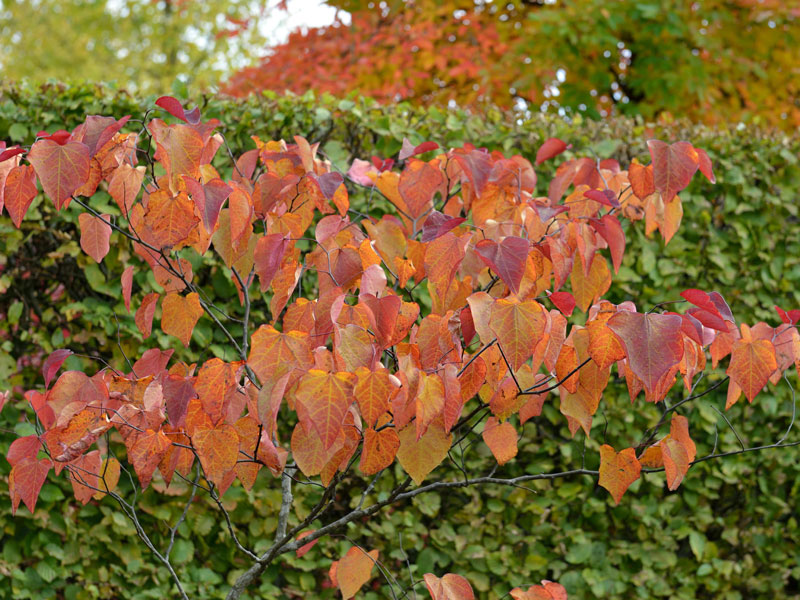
(606, 197)
(507, 259)
(53, 363)
(329, 183)
(437, 224)
(611, 231)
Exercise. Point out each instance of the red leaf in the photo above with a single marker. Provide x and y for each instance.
(269, 256)
(437, 224)
(53, 363)
(552, 147)
(303, 550)
(329, 183)
(97, 131)
(611, 231)
(127, 286)
(704, 163)
(507, 259)
(144, 315)
(175, 108)
(618, 470)
(673, 166)
(653, 343)
(24, 447)
(564, 301)
(477, 165)
(354, 570)
(410, 149)
(208, 198)
(791, 317)
(26, 480)
(606, 197)
(11, 152)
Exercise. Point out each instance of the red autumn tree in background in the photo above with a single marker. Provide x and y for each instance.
(371, 338)
(710, 60)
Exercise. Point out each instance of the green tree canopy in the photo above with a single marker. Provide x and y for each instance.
(145, 44)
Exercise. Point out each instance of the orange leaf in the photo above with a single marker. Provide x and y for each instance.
(501, 439)
(179, 148)
(372, 391)
(354, 570)
(19, 192)
(380, 449)
(144, 315)
(179, 314)
(418, 183)
(273, 354)
(429, 402)
(95, 233)
(146, 453)
(62, 169)
(547, 591)
(752, 363)
(605, 347)
(309, 452)
(676, 461)
(218, 450)
(108, 477)
(124, 186)
(588, 290)
(419, 457)
(618, 470)
(518, 327)
(322, 402)
(83, 476)
(449, 587)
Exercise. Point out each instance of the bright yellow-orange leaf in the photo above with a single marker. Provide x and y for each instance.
(501, 439)
(218, 450)
(518, 327)
(618, 470)
(354, 570)
(752, 363)
(380, 448)
(179, 314)
(420, 457)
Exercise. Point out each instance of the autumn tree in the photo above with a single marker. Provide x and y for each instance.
(714, 60)
(141, 44)
(386, 321)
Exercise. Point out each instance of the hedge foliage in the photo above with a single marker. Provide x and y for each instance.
(740, 236)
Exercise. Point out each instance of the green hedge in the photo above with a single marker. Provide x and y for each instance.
(727, 533)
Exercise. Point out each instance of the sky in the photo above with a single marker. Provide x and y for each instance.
(301, 13)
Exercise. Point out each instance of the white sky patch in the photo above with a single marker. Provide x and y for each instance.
(301, 14)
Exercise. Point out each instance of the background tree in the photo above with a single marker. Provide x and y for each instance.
(146, 45)
(711, 60)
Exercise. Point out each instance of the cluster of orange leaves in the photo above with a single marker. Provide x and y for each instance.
(358, 367)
